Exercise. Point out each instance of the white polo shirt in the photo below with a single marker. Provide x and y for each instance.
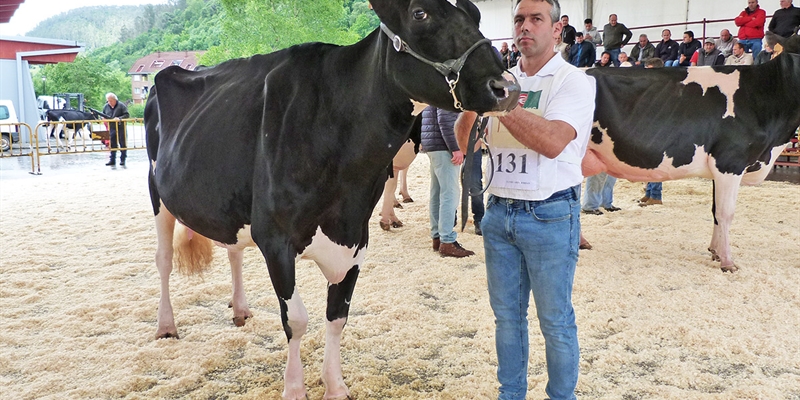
(559, 91)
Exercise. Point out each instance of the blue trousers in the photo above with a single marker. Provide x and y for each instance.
(445, 190)
(532, 247)
(599, 191)
(653, 190)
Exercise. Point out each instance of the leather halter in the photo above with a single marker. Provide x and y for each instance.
(447, 68)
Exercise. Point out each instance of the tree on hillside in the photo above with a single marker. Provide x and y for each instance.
(262, 26)
(88, 76)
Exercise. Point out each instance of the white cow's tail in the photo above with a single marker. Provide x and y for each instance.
(193, 252)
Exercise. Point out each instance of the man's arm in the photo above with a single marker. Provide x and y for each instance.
(545, 137)
(626, 36)
(463, 128)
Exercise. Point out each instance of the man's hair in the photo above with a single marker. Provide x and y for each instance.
(587, 21)
(555, 11)
(109, 94)
(578, 34)
(740, 45)
(666, 30)
(654, 62)
(690, 33)
(644, 35)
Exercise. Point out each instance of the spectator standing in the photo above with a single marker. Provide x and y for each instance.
(604, 61)
(642, 51)
(709, 55)
(667, 49)
(785, 20)
(725, 43)
(739, 56)
(531, 228)
(116, 130)
(439, 143)
(599, 192)
(590, 33)
(687, 48)
(615, 36)
(751, 27)
(583, 53)
(567, 31)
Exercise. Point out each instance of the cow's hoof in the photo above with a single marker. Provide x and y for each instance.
(398, 205)
(730, 268)
(167, 335)
(397, 224)
(387, 226)
(240, 321)
(408, 200)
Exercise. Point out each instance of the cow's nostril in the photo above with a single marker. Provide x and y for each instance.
(499, 89)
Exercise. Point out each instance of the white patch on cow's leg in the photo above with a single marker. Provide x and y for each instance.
(706, 77)
(726, 189)
(297, 319)
(57, 133)
(165, 226)
(418, 107)
(332, 378)
(333, 260)
(241, 311)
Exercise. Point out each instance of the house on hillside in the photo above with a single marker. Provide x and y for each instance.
(145, 68)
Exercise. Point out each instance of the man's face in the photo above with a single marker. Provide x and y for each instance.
(666, 35)
(752, 4)
(612, 20)
(111, 101)
(579, 39)
(534, 31)
(687, 38)
(605, 58)
(564, 21)
(504, 47)
(725, 35)
(587, 26)
(738, 51)
(622, 57)
(643, 41)
(709, 47)
(785, 3)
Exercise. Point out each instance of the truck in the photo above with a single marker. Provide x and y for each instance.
(9, 130)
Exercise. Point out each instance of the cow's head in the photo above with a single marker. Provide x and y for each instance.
(441, 58)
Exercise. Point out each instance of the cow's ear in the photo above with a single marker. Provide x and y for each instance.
(390, 12)
(471, 9)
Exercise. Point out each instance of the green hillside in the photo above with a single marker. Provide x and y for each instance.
(95, 27)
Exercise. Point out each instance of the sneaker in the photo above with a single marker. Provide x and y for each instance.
(454, 250)
(612, 209)
(122, 163)
(111, 163)
(592, 212)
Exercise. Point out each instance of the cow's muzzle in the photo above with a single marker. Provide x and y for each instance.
(506, 91)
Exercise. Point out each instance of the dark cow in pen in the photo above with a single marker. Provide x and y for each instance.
(71, 122)
(291, 149)
(725, 123)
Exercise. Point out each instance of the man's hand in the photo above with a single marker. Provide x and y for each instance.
(458, 158)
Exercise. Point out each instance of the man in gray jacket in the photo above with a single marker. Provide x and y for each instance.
(439, 143)
(642, 51)
(709, 55)
(615, 36)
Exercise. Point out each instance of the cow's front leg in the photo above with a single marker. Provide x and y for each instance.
(339, 297)
(295, 323)
(165, 226)
(241, 311)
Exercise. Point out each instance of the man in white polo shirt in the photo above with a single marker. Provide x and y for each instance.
(531, 227)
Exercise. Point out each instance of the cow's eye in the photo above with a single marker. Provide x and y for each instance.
(420, 14)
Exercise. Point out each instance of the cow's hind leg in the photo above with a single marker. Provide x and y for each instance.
(241, 311)
(726, 189)
(339, 297)
(165, 226)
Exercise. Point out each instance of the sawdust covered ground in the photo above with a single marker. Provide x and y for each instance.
(656, 317)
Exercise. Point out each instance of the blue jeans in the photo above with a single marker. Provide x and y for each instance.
(751, 45)
(653, 190)
(672, 63)
(533, 246)
(614, 56)
(599, 191)
(476, 183)
(445, 191)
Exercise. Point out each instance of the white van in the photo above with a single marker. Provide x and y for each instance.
(9, 132)
(45, 103)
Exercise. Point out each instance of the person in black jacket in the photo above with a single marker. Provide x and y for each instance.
(785, 20)
(582, 54)
(118, 111)
(686, 49)
(667, 49)
(567, 31)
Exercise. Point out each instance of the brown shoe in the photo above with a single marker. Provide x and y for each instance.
(643, 199)
(650, 202)
(436, 243)
(454, 250)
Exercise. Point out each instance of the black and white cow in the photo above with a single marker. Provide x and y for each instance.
(294, 147)
(725, 123)
(71, 122)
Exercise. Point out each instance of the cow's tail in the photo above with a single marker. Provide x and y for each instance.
(193, 252)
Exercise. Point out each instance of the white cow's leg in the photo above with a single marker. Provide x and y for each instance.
(339, 297)
(388, 217)
(726, 189)
(241, 311)
(296, 325)
(57, 133)
(402, 182)
(165, 226)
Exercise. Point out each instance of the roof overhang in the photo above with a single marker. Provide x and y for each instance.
(39, 50)
(8, 8)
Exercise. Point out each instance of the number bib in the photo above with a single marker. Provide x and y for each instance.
(515, 166)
